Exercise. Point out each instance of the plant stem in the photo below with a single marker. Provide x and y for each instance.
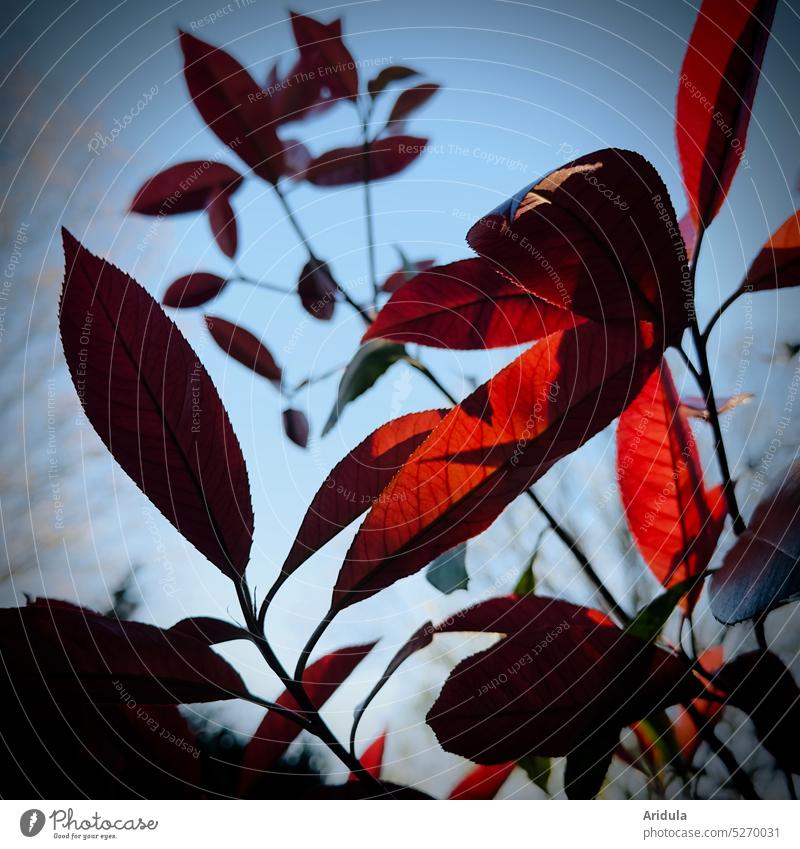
(572, 544)
(424, 370)
(707, 387)
(373, 276)
(259, 284)
(723, 306)
(301, 235)
(315, 722)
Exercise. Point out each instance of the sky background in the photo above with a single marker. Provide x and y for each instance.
(525, 88)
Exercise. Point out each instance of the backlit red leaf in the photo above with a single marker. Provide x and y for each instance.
(184, 187)
(482, 782)
(597, 236)
(192, 290)
(233, 105)
(778, 264)
(276, 732)
(684, 728)
(673, 519)
(344, 166)
(715, 96)
(493, 445)
(154, 406)
(71, 654)
(762, 570)
(357, 481)
(387, 76)
(243, 347)
(560, 676)
(466, 305)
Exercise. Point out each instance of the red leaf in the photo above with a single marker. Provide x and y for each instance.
(465, 305)
(493, 445)
(192, 290)
(410, 100)
(340, 71)
(372, 759)
(597, 236)
(482, 782)
(561, 675)
(295, 426)
(357, 481)
(184, 187)
(70, 654)
(243, 347)
(778, 264)
(344, 166)
(317, 290)
(276, 733)
(689, 233)
(761, 570)
(400, 277)
(209, 629)
(760, 684)
(715, 97)
(154, 406)
(233, 105)
(222, 220)
(296, 158)
(676, 523)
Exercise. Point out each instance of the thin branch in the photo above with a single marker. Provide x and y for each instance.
(723, 306)
(370, 223)
(572, 544)
(259, 284)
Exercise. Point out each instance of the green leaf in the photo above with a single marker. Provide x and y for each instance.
(658, 730)
(387, 76)
(526, 585)
(649, 621)
(369, 363)
(448, 572)
(538, 769)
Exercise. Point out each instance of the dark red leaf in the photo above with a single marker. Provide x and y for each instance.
(400, 277)
(154, 406)
(372, 759)
(466, 305)
(222, 220)
(778, 264)
(70, 654)
(338, 67)
(184, 187)
(482, 782)
(296, 159)
(762, 686)
(209, 630)
(715, 97)
(675, 522)
(597, 236)
(276, 733)
(560, 675)
(387, 76)
(317, 290)
(762, 570)
(344, 166)
(295, 426)
(233, 105)
(357, 481)
(243, 347)
(192, 290)
(410, 100)
(493, 445)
